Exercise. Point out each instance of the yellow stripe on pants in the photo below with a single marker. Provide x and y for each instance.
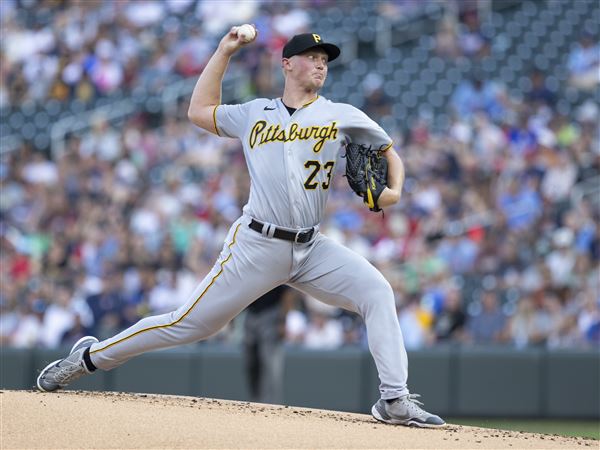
(186, 313)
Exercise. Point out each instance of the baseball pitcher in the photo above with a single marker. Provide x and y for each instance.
(291, 145)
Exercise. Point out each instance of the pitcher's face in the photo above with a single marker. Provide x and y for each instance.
(308, 69)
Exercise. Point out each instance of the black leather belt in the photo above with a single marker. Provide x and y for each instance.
(300, 237)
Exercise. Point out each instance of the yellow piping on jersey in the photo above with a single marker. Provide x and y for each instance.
(187, 312)
(387, 147)
(215, 119)
(312, 101)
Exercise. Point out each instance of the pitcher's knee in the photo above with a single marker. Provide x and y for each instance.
(375, 282)
(194, 327)
(378, 298)
(382, 291)
(388, 297)
(387, 290)
(202, 333)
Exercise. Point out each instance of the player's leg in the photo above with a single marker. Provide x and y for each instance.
(338, 276)
(271, 356)
(233, 283)
(251, 356)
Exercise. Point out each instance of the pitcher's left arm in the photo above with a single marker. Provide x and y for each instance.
(392, 193)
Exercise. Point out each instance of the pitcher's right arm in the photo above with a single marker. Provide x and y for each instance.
(207, 92)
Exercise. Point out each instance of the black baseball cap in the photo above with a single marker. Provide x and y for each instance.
(302, 42)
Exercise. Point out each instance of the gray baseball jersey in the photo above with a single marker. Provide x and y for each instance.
(291, 159)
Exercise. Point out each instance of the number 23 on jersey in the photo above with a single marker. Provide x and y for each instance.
(315, 166)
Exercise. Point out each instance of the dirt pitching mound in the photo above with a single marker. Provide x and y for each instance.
(115, 420)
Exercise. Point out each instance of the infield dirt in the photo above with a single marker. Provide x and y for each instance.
(72, 419)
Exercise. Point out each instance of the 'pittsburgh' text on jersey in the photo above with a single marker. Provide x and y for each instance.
(264, 132)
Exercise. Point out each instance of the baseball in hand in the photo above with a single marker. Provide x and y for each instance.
(246, 32)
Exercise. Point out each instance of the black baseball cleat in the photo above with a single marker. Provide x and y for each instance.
(405, 410)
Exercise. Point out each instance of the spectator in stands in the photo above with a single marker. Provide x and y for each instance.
(450, 322)
(4, 92)
(471, 40)
(561, 261)
(12, 307)
(107, 303)
(559, 177)
(565, 332)
(458, 252)
(488, 325)
(415, 323)
(489, 142)
(107, 72)
(540, 321)
(548, 318)
(161, 298)
(323, 331)
(584, 63)
(295, 325)
(75, 332)
(377, 103)
(477, 94)
(446, 38)
(520, 204)
(102, 140)
(59, 316)
(26, 332)
(40, 170)
(396, 10)
(589, 318)
(539, 93)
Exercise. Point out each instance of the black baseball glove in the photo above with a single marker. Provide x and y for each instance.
(366, 172)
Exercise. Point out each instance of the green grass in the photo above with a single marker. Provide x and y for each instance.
(577, 428)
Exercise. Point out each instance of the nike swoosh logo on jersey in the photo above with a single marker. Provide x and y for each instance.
(268, 109)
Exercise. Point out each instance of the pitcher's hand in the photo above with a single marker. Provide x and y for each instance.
(231, 42)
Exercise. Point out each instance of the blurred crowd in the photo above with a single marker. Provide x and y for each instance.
(496, 239)
(87, 49)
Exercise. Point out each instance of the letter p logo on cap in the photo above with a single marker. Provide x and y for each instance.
(317, 38)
